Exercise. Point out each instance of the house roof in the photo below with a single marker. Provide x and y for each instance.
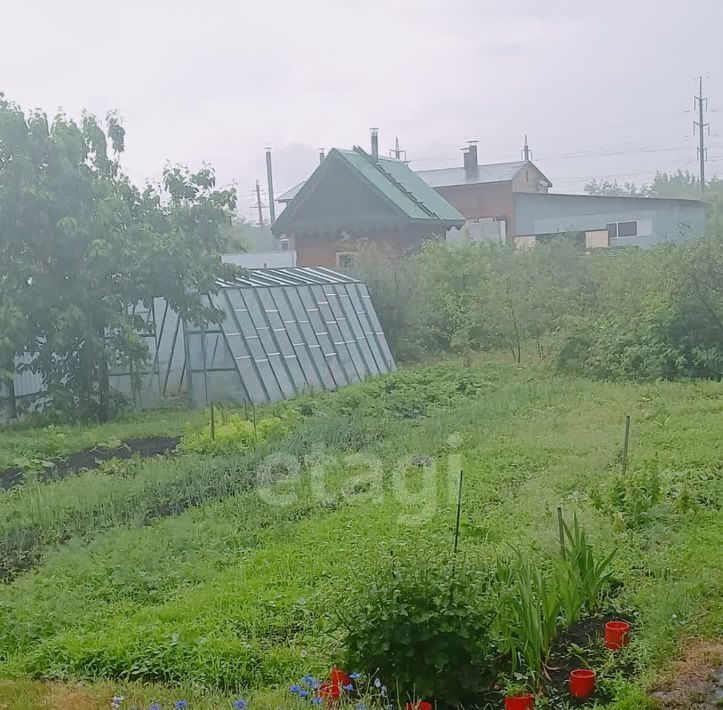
(391, 179)
(290, 194)
(493, 172)
(448, 177)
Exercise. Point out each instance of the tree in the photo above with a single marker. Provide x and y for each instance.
(605, 187)
(81, 245)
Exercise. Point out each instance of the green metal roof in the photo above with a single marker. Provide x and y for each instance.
(402, 187)
(391, 179)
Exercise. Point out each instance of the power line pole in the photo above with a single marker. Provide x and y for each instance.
(701, 103)
(259, 204)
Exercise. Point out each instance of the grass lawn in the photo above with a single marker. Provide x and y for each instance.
(195, 577)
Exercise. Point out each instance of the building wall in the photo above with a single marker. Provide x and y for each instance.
(530, 179)
(483, 201)
(322, 250)
(659, 220)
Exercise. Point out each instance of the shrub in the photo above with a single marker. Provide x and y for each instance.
(236, 434)
(427, 629)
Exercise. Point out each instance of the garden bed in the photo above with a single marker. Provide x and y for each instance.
(90, 458)
(583, 646)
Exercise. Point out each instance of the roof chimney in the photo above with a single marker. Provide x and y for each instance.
(470, 157)
(375, 144)
(322, 155)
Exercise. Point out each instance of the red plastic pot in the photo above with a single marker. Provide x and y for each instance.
(419, 705)
(582, 683)
(330, 692)
(520, 702)
(617, 634)
(339, 677)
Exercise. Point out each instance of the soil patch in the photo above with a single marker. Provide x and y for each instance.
(583, 646)
(92, 458)
(696, 681)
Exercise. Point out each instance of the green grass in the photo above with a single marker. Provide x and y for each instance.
(178, 572)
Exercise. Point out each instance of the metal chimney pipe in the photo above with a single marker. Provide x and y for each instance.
(270, 179)
(322, 155)
(375, 144)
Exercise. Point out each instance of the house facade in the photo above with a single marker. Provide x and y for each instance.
(354, 197)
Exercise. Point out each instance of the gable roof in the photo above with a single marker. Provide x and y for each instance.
(492, 172)
(392, 180)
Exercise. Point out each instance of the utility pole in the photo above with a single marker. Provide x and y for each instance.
(259, 204)
(270, 179)
(701, 103)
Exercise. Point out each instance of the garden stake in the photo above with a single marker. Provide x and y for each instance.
(459, 512)
(213, 423)
(625, 444)
(456, 535)
(561, 529)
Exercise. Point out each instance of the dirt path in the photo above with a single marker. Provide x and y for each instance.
(696, 681)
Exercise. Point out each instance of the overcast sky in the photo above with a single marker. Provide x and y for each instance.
(603, 88)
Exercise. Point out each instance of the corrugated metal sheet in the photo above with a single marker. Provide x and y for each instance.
(27, 384)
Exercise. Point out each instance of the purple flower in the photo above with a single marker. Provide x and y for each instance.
(377, 683)
(181, 704)
(303, 693)
(295, 689)
(348, 688)
(317, 700)
(154, 706)
(355, 676)
(116, 702)
(240, 704)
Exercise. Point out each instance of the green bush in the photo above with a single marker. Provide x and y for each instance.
(236, 434)
(426, 629)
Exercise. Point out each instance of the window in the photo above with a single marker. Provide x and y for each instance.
(622, 229)
(345, 259)
(627, 229)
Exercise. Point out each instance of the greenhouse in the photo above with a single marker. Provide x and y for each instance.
(285, 332)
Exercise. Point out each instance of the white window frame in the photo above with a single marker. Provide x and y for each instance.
(617, 229)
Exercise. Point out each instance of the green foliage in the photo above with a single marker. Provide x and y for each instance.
(528, 611)
(425, 628)
(653, 314)
(81, 246)
(632, 499)
(236, 434)
(589, 575)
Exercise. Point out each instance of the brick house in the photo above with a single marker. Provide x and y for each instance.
(354, 196)
(487, 192)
